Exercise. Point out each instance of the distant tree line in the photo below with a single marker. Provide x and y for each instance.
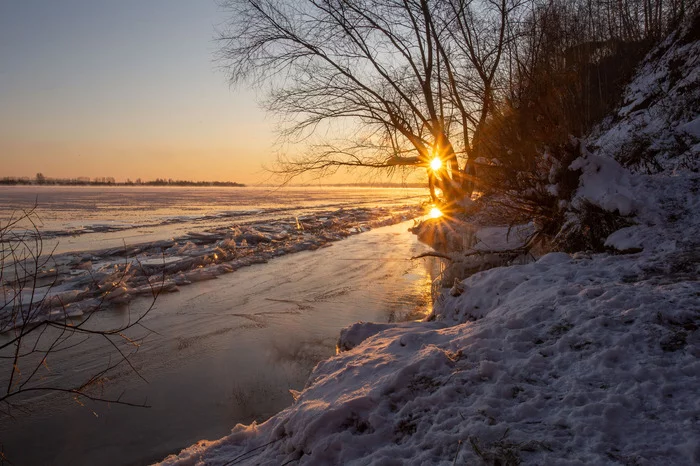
(42, 180)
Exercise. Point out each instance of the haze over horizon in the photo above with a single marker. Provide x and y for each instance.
(126, 89)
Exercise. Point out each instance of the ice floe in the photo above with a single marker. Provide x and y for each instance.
(72, 284)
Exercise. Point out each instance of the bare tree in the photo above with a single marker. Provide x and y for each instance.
(385, 83)
(391, 84)
(38, 323)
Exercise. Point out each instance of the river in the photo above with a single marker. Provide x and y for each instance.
(222, 352)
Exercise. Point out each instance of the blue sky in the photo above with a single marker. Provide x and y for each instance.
(123, 88)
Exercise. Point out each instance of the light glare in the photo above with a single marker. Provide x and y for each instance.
(435, 164)
(435, 213)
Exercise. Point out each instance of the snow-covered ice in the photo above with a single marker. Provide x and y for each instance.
(72, 284)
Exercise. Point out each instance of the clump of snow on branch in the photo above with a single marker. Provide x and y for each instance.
(605, 183)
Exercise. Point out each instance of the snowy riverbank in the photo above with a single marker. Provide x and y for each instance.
(584, 359)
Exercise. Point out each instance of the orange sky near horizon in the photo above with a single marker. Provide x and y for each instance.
(216, 143)
(129, 90)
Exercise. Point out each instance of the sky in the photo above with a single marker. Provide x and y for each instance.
(126, 88)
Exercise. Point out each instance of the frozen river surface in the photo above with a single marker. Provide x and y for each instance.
(97, 217)
(111, 245)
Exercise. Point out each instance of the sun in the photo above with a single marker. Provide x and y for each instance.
(435, 213)
(436, 164)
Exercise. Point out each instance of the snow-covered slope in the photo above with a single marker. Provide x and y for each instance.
(569, 360)
(658, 125)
